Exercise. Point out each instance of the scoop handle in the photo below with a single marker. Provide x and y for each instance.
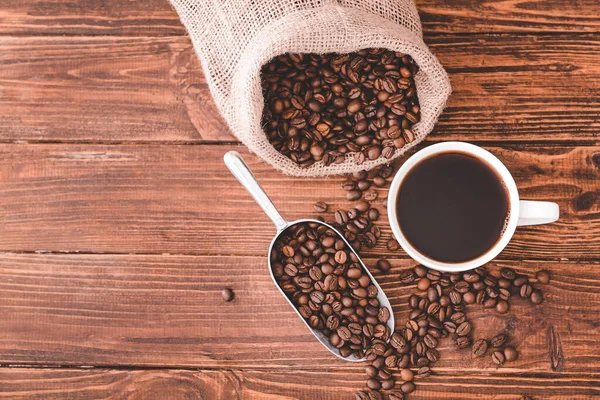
(240, 170)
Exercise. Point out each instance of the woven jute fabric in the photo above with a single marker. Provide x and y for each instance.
(235, 38)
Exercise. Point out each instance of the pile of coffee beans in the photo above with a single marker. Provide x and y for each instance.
(320, 107)
(440, 311)
(326, 282)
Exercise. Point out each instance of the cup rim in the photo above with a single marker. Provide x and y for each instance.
(494, 163)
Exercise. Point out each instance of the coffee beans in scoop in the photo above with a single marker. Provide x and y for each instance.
(327, 284)
(320, 107)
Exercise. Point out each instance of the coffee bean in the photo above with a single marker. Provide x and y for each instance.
(543, 276)
(510, 354)
(373, 214)
(463, 329)
(353, 195)
(373, 384)
(463, 342)
(508, 273)
(384, 315)
(498, 357)
(526, 290)
(407, 276)
(371, 371)
(393, 245)
(469, 298)
(423, 284)
(489, 303)
(362, 395)
(424, 372)
(408, 387)
(502, 307)
(536, 297)
(388, 384)
(395, 395)
(480, 347)
(383, 265)
(320, 207)
(406, 374)
(498, 340)
(227, 294)
(520, 281)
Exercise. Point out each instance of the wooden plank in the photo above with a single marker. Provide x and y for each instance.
(46, 384)
(89, 17)
(447, 16)
(105, 89)
(155, 17)
(182, 199)
(532, 88)
(167, 311)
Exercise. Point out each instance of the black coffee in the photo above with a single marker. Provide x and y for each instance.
(452, 207)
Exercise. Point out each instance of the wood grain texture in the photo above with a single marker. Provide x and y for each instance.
(157, 18)
(167, 311)
(182, 199)
(47, 384)
(104, 89)
(512, 88)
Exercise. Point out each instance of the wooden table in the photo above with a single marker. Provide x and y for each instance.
(120, 225)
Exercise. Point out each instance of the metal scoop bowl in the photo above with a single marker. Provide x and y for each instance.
(240, 170)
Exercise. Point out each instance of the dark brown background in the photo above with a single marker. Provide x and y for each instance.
(119, 224)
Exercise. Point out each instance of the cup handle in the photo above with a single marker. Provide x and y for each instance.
(537, 212)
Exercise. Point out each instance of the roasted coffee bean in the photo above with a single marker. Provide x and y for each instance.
(424, 372)
(320, 207)
(526, 290)
(458, 318)
(510, 354)
(395, 395)
(371, 371)
(536, 297)
(450, 326)
(498, 340)
(469, 298)
(407, 276)
(502, 306)
(393, 245)
(455, 297)
(408, 387)
(480, 347)
(397, 341)
(463, 342)
(462, 330)
(508, 273)
(470, 277)
(520, 281)
(353, 195)
(498, 357)
(373, 384)
(423, 284)
(462, 287)
(383, 265)
(432, 355)
(227, 294)
(543, 276)
(384, 314)
(489, 303)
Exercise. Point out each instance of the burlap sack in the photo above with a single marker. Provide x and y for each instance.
(234, 38)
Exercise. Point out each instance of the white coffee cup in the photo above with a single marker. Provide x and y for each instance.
(522, 212)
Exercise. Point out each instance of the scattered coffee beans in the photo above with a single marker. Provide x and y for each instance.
(322, 107)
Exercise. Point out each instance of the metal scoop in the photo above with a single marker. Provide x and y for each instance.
(240, 170)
